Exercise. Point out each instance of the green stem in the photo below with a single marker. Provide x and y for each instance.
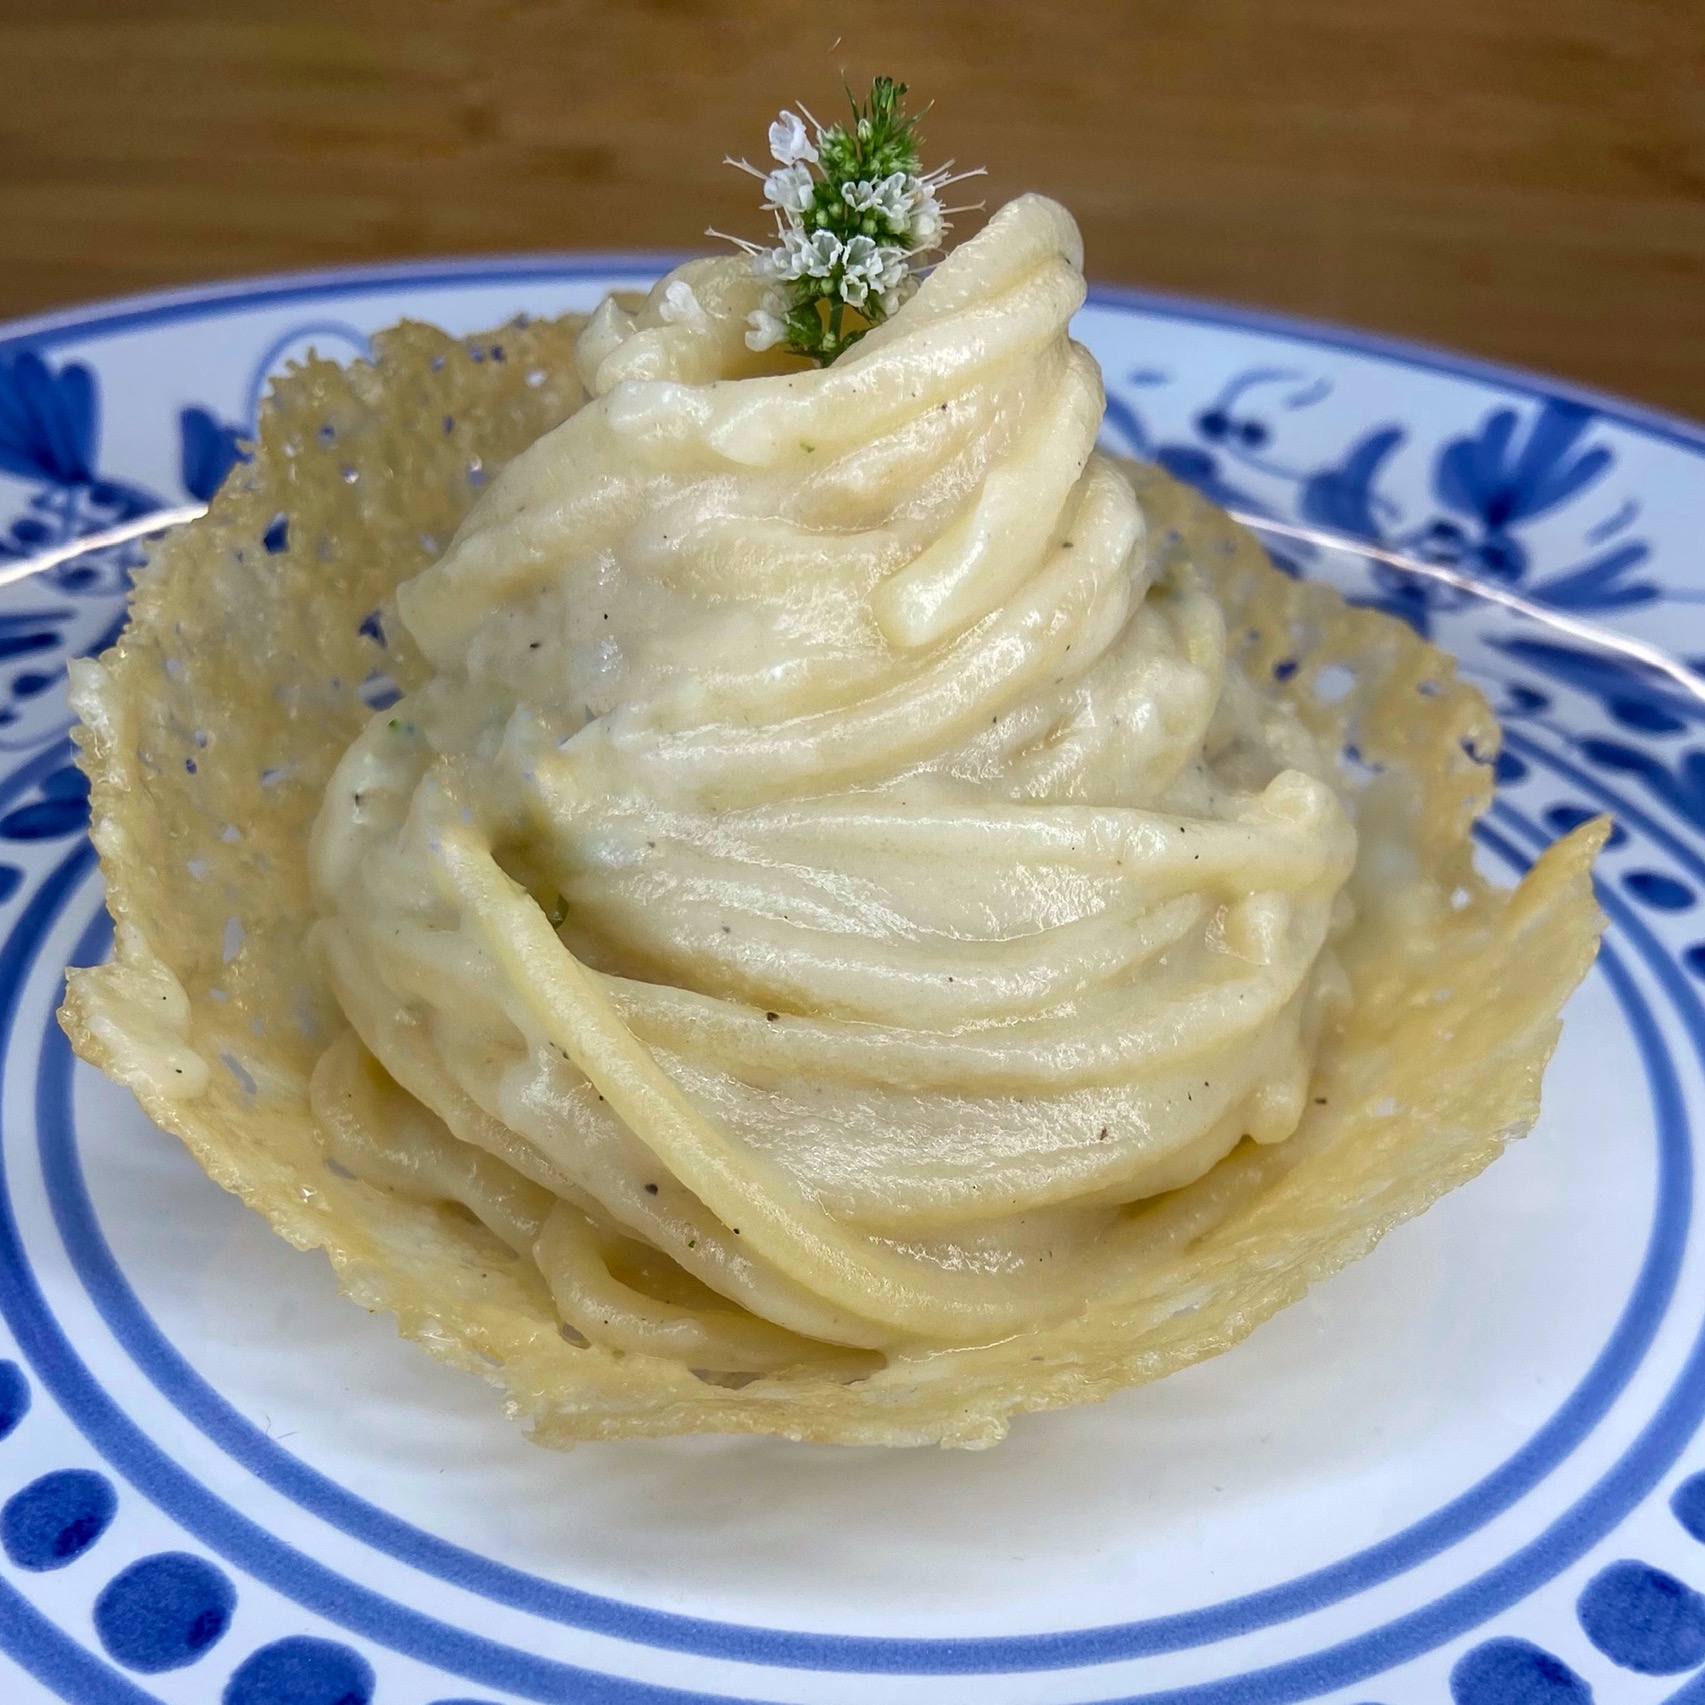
(835, 328)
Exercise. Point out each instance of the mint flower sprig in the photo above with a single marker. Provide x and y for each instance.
(855, 213)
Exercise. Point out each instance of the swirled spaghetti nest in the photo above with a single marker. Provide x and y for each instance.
(209, 733)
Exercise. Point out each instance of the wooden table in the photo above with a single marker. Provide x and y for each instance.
(1520, 178)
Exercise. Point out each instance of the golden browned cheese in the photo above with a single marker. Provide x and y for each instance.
(849, 932)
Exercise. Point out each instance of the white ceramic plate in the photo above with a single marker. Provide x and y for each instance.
(1461, 1471)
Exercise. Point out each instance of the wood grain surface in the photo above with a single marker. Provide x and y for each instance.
(1524, 179)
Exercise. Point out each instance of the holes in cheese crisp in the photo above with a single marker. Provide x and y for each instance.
(1355, 769)
(240, 1072)
(1334, 683)
(379, 691)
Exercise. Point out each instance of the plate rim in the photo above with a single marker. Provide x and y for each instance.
(133, 311)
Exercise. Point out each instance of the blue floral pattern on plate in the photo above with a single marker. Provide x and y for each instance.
(1488, 486)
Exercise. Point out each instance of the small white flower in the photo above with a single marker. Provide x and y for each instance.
(783, 263)
(881, 263)
(767, 323)
(823, 251)
(801, 256)
(927, 225)
(788, 141)
(680, 307)
(896, 195)
(866, 266)
(852, 242)
(815, 256)
(891, 196)
(858, 261)
(789, 189)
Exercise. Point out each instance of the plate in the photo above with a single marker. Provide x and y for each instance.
(1465, 1470)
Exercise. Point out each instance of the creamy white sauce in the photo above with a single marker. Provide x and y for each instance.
(828, 886)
